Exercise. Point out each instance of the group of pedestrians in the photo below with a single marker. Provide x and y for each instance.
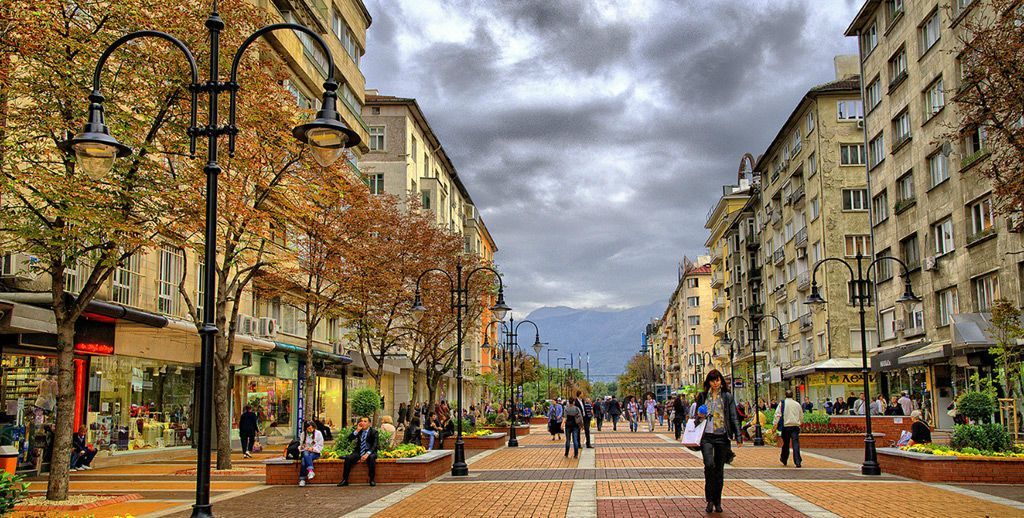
(571, 417)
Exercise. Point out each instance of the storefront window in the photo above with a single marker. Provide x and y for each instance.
(136, 403)
(272, 400)
(29, 393)
(329, 401)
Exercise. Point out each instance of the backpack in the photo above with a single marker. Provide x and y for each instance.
(292, 451)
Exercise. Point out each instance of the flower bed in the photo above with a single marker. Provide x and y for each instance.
(834, 440)
(421, 468)
(491, 441)
(936, 463)
(520, 430)
(73, 503)
(535, 420)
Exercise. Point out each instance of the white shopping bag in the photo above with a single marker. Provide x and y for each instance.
(693, 432)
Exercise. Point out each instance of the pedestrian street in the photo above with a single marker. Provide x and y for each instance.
(627, 474)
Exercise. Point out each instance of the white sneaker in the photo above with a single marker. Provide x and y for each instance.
(302, 483)
(86, 467)
(311, 475)
(73, 469)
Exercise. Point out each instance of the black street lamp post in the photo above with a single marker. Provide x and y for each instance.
(561, 374)
(548, 390)
(460, 303)
(758, 439)
(861, 292)
(95, 150)
(510, 346)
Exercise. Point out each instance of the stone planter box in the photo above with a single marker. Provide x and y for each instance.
(960, 470)
(834, 440)
(487, 442)
(890, 425)
(538, 420)
(426, 467)
(521, 430)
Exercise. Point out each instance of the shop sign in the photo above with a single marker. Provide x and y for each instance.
(332, 370)
(96, 338)
(841, 378)
(268, 366)
(94, 348)
(738, 383)
(816, 380)
(300, 405)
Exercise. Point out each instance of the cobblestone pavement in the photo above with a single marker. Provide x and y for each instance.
(627, 474)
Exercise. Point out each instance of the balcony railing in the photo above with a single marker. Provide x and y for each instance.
(718, 303)
(716, 255)
(716, 278)
(776, 218)
(798, 196)
(803, 280)
(780, 293)
(779, 255)
(806, 322)
(801, 237)
(716, 328)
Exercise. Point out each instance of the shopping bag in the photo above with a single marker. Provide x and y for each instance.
(693, 432)
(904, 438)
(257, 446)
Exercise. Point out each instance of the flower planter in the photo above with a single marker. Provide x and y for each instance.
(538, 420)
(943, 468)
(521, 430)
(834, 440)
(487, 442)
(423, 468)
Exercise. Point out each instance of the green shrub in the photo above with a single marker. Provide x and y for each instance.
(769, 418)
(343, 445)
(977, 406)
(983, 437)
(490, 418)
(817, 418)
(365, 402)
(12, 491)
(467, 427)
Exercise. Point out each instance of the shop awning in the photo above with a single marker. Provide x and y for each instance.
(972, 331)
(16, 317)
(831, 364)
(317, 353)
(887, 358)
(933, 351)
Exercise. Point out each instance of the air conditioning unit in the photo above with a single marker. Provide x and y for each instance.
(901, 324)
(930, 263)
(860, 124)
(15, 265)
(267, 327)
(244, 324)
(801, 253)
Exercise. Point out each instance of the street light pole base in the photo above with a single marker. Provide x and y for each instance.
(513, 442)
(870, 466)
(459, 466)
(758, 441)
(758, 438)
(202, 511)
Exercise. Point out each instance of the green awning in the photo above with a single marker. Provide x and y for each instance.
(322, 355)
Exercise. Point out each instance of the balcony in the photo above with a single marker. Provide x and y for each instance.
(904, 204)
(716, 328)
(776, 218)
(756, 309)
(755, 273)
(806, 322)
(803, 281)
(753, 244)
(716, 278)
(716, 255)
(780, 293)
(718, 303)
(797, 197)
(778, 256)
(801, 238)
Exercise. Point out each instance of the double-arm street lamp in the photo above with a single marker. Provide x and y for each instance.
(699, 360)
(511, 344)
(860, 284)
(547, 392)
(561, 373)
(95, 150)
(459, 285)
(752, 326)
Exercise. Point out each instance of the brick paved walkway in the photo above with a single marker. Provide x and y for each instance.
(626, 475)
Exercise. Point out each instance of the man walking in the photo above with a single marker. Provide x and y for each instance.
(651, 407)
(364, 448)
(614, 411)
(599, 413)
(679, 409)
(248, 428)
(588, 413)
(906, 403)
(789, 416)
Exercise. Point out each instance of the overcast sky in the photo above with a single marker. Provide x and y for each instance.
(595, 135)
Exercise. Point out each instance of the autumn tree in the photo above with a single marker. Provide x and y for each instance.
(990, 99)
(64, 219)
(1008, 331)
(636, 378)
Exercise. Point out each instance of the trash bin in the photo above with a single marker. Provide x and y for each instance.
(9, 458)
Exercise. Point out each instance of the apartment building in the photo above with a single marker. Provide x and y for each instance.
(814, 205)
(930, 207)
(683, 333)
(137, 348)
(718, 220)
(406, 158)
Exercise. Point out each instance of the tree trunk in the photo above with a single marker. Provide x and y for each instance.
(57, 488)
(309, 394)
(415, 387)
(222, 408)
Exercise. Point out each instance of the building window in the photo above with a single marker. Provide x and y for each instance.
(873, 93)
(855, 199)
(795, 143)
(413, 148)
(693, 301)
(883, 269)
(172, 262)
(905, 184)
(812, 164)
(949, 305)
(911, 251)
(816, 253)
(693, 282)
(809, 122)
(851, 110)
(930, 31)
(898, 67)
(125, 282)
(312, 50)
(877, 145)
(822, 344)
(915, 320)
(888, 324)
(853, 289)
(347, 38)
(693, 320)
(694, 339)
(425, 199)
(856, 339)
(942, 234)
(986, 291)
(894, 9)
(869, 39)
(858, 245)
(900, 129)
(376, 183)
(961, 5)
(938, 168)
(376, 138)
(200, 288)
(851, 154)
(375, 110)
(293, 320)
(974, 144)
(982, 216)
(880, 207)
(934, 99)
(815, 208)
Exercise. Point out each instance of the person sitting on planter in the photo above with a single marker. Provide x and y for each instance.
(82, 453)
(919, 431)
(387, 425)
(447, 429)
(431, 429)
(310, 446)
(412, 431)
(364, 448)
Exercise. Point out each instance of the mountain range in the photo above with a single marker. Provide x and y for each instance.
(611, 337)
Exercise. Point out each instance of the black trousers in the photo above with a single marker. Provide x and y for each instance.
(247, 440)
(791, 435)
(677, 425)
(600, 419)
(715, 450)
(353, 458)
(586, 429)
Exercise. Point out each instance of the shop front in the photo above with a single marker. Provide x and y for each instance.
(829, 379)
(268, 383)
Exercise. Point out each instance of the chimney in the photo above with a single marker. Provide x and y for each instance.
(847, 66)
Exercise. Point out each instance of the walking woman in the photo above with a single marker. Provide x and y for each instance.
(722, 424)
(573, 425)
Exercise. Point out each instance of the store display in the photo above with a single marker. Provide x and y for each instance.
(29, 394)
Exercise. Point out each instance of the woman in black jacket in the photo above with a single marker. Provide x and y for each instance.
(722, 424)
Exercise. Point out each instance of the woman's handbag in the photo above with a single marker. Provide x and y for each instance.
(257, 446)
(693, 433)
